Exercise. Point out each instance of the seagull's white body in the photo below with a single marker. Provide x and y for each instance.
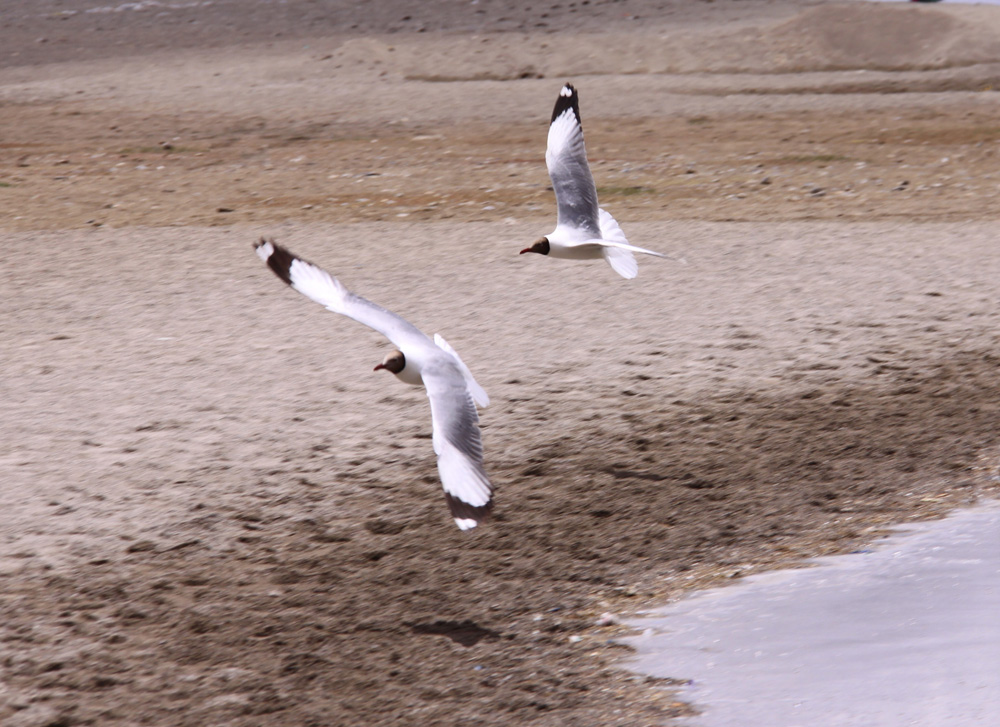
(583, 231)
(452, 390)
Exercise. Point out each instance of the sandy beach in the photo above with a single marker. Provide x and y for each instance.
(215, 513)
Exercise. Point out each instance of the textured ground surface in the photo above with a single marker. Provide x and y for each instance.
(215, 513)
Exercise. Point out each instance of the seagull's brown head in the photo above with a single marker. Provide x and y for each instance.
(394, 362)
(541, 246)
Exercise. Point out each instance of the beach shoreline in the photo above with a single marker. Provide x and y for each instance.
(217, 514)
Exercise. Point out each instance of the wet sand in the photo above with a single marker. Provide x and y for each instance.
(215, 513)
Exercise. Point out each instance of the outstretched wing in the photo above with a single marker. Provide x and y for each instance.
(621, 261)
(478, 393)
(614, 237)
(458, 444)
(616, 248)
(318, 285)
(566, 159)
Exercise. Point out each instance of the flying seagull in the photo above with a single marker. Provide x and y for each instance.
(452, 391)
(583, 230)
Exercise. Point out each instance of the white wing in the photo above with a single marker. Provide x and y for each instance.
(318, 285)
(457, 443)
(566, 159)
(614, 237)
(610, 229)
(596, 243)
(621, 261)
(478, 393)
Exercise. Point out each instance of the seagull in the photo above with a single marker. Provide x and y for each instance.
(452, 391)
(583, 230)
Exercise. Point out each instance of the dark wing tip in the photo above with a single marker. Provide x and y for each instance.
(464, 511)
(568, 99)
(276, 257)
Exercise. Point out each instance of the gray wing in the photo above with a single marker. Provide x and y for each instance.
(566, 159)
(318, 285)
(457, 443)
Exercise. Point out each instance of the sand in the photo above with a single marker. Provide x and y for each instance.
(216, 513)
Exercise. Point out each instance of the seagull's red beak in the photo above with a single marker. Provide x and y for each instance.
(380, 366)
(527, 249)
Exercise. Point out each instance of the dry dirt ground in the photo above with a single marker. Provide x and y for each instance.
(214, 513)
